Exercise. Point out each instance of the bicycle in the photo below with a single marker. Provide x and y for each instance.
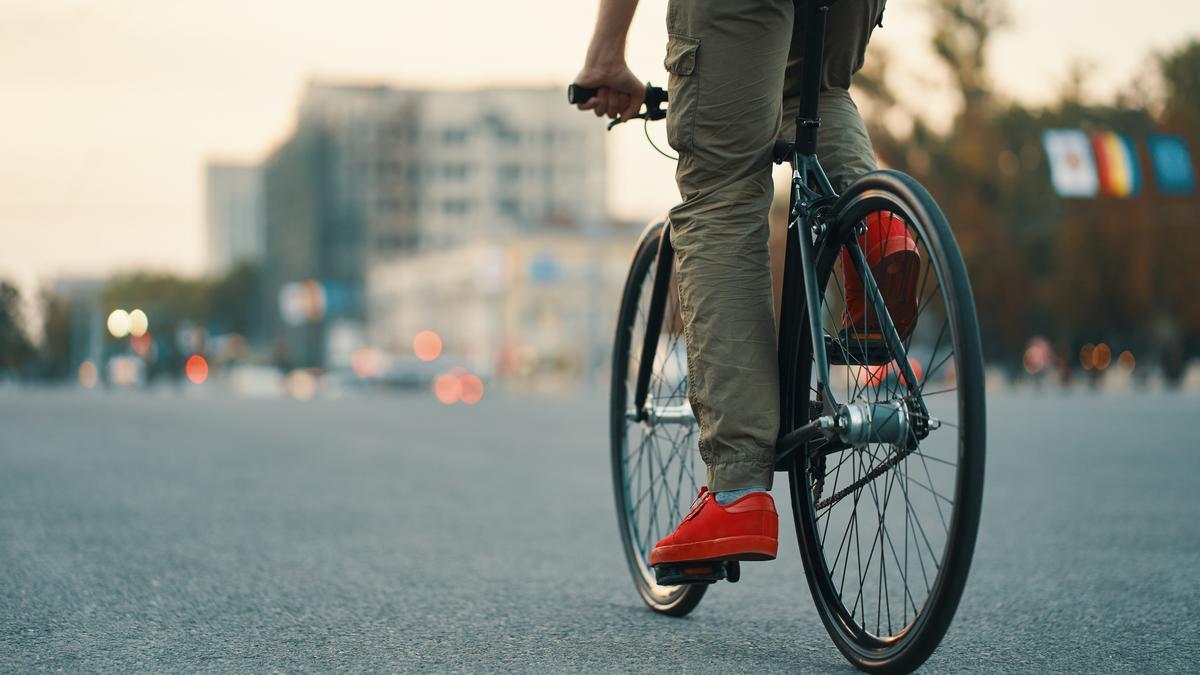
(860, 432)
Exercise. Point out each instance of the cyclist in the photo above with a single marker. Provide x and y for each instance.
(734, 80)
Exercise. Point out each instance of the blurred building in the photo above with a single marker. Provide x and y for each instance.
(85, 322)
(233, 215)
(536, 308)
(374, 173)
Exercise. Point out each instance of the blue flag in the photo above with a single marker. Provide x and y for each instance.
(1172, 164)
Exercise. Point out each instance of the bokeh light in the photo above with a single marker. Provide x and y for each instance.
(366, 362)
(302, 384)
(88, 375)
(139, 323)
(472, 389)
(118, 323)
(1037, 355)
(1101, 356)
(875, 376)
(1085, 356)
(196, 369)
(123, 371)
(447, 387)
(1126, 362)
(427, 345)
(140, 343)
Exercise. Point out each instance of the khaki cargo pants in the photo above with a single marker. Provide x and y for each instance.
(734, 80)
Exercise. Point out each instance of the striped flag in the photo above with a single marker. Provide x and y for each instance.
(1072, 167)
(1116, 164)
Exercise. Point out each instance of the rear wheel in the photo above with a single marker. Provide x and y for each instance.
(655, 465)
(887, 531)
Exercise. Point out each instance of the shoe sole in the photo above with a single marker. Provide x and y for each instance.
(896, 276)
(746, 547)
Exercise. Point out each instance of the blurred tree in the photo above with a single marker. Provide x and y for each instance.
(55, 349)
(1074, 270)
(16, 352)
(1180, 70)
(234, 300)
(1177, 318)
(961, 31)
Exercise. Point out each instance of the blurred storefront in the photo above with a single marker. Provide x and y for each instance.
(536, 310)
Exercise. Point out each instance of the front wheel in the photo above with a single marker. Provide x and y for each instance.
(887, 530)
(655, 466)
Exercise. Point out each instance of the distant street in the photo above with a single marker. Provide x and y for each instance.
(171, 532)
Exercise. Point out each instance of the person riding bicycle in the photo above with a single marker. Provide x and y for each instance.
(734, 79)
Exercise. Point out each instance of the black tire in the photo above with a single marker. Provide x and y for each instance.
(955, 450)
(640, 528)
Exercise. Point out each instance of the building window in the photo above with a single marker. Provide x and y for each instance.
(507, 206)
(454, 136)
(509, 173)
(508, 136)
(455, 171)
(455, 207)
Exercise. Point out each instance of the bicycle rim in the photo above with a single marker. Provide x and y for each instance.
(656, 468)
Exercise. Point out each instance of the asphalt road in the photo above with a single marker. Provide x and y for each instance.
(169, 533)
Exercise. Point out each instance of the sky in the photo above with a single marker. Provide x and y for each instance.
(110, 109)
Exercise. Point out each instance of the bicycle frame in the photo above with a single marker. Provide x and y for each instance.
(810, 200)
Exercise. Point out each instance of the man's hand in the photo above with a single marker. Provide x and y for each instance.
(619, 91)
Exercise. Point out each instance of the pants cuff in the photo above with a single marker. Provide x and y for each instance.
(739, 476)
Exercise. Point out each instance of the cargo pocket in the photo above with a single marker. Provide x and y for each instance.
(684, 89)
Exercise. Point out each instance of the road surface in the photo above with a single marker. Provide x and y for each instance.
(176, 532)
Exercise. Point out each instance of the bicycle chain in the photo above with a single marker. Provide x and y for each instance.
(870, 476)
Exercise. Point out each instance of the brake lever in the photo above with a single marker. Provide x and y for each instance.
(619, 120)
(655, 98)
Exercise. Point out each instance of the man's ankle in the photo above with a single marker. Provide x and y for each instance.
(730, 496)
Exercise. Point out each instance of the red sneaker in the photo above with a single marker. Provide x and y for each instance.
(747, 529)
(895, 264)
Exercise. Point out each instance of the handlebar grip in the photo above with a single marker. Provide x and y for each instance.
(577, 94)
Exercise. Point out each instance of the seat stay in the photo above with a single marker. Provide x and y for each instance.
(663, 264)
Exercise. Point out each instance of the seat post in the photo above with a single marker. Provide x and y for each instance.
(813, 14)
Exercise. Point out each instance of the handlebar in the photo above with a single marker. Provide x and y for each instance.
(655, 97)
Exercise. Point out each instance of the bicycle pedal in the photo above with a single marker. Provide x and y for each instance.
(706, 572)
(863, 349)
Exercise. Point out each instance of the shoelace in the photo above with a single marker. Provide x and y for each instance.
(697, 503)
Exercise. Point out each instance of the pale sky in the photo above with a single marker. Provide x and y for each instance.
(110, 107)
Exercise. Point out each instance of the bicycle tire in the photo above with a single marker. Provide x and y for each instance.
(675, 601)
(907, 648)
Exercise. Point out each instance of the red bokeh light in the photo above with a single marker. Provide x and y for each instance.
(140, 344)
(427, 345)
(472, 389)
(196, 369)
(448, 388)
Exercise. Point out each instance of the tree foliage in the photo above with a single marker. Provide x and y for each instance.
(16, 352)
(1104, 269)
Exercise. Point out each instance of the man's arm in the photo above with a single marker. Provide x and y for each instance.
(620, 92)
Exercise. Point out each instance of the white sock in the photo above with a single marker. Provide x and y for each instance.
(730, 496)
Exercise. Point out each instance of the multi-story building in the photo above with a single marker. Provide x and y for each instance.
(233, 214)
(373, 173)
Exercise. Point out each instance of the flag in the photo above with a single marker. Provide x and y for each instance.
(1116, 164)
(1172, 164)
(1072, 167)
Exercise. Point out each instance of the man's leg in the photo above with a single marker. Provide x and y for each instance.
(726, 62)
(842, 142)
(846, 153)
